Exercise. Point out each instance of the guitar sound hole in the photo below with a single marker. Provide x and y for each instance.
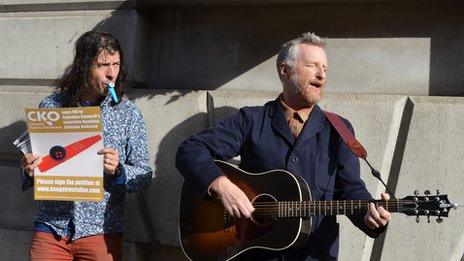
(265, 210)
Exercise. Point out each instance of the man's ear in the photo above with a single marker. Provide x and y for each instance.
(284, 71)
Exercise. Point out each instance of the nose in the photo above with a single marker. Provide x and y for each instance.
(321, 73)
(110, 73)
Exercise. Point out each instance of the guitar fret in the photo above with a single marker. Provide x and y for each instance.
(298, 209)
(304, 211)
(289, 205)
(288, 210)
(282, 209)
(351, 207)
(292, 208)
(297, 212)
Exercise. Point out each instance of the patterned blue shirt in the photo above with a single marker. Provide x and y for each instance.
(123, 130)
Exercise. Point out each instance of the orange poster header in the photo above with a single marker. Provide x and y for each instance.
(79, 119)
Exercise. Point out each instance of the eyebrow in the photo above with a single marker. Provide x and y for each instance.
(107, 63)
(317, 63)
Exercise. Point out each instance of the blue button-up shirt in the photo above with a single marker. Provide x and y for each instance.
(123, 130)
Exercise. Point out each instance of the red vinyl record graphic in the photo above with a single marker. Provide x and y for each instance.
(59, 154)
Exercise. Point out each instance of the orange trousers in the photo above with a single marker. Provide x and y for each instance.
(45, 246)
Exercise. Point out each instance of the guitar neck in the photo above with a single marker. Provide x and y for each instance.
(334, 207)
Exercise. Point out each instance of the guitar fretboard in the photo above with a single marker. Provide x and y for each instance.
(334, 207)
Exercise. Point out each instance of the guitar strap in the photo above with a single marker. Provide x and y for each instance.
(353, 144)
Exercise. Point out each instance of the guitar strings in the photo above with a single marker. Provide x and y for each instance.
(288, 207)
(334, 203)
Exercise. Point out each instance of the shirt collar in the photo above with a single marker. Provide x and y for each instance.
(288, 112)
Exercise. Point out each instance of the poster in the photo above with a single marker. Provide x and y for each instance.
(67, 139)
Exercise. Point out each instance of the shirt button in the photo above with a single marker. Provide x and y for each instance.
(294, 159)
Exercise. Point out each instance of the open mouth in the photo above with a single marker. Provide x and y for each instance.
(316, 84)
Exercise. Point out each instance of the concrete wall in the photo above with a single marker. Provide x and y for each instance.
(378, 47)
(385, 58)
(407, 138)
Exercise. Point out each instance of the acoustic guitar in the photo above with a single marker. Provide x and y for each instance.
(282, 217)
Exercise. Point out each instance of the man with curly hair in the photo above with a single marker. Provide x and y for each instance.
(78, 230)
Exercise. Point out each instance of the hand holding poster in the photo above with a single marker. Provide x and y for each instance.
(68, 140)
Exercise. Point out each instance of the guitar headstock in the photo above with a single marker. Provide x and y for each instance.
(427, 205)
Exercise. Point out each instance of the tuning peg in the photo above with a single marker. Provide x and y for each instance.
(417, 219)
(416, 192)
(438, 192)
(427, 192)
(428, 219)
(439, 220)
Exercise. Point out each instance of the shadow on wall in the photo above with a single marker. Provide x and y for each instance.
(8, 134)
(17, 206)
(163, 197)
(205, 46)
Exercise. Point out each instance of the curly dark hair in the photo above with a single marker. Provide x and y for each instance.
(76, 80)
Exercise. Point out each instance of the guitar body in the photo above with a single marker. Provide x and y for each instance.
(207, 232)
